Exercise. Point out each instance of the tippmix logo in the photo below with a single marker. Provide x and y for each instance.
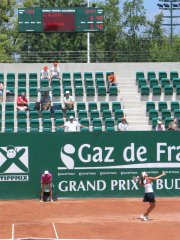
(67, 150)
(14, 160)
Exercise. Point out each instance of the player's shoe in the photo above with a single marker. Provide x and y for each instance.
(144, 218)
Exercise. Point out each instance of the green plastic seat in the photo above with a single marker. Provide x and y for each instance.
(66, 83)
(88, 75)
(79, 91)
(9, 125)
(33, 80)
(9, 115)
(77, 76)
(139, 75)
(47, 125)
(166, 113)
(113, 91)
(59, 122)
(104, 106)
(56, 92)
(119, 113)
(153, 82)
(9, 106)
(177, 113)
(44, 83)
(21, 114)
(106, 114)
(33, 92)
(81, 106)
(46, 114)
(90, 91)
(173, 74)
(55, 83)
(156, 90)
(97, 124)
(175, 105)
(21, 89)
(94, 114)
(168, 90)
(165, 82)
(153, 113)
(167, 121)
(162, 74)
(58, 114)
(10, 82)
(116, 105)
(178, 90)
(101, 90)
(84, 122)
(34, 125)
(82, 114)
(99, 75)
(92, 106)
(162, 106)
(78, 82)
(150, 105)
(176, 82)
(142, 82)
(109, 123)
(66, 76)
(145, 91)
(100, 82)
(21, 125)
(70, 113)
(151, 75)
(34, 114)
(89, 83)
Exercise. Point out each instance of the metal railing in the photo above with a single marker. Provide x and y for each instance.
(98, 56)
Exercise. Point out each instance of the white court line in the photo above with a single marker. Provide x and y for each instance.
(13, 231)
(54, 227)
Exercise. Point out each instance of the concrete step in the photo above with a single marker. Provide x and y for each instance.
(140, 128)
(134, 112)
(136, 105)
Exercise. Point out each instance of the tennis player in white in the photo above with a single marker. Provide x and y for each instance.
(146, 181)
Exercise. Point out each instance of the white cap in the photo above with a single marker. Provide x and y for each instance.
(71, 117)
(144, 174)
(67, 91)
(46, 172)
(159, 122)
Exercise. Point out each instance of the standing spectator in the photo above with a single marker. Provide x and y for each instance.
(122, 126)
(45, 101)
(160, 126)
(22, 102)
(71, 125)
(68, 101)
(46, 184)
(45, 73)
(172, 126)
(1, 91)
(111, 80)
(55, 71)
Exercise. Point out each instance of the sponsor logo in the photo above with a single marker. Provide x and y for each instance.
(14, 160)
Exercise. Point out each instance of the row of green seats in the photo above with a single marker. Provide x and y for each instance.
(159, 75)
(157, 90)
(154, 82)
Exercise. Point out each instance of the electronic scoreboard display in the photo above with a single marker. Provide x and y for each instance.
(81, 19)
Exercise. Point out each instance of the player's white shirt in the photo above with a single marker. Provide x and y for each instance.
(55, 72)
(72, 126)
(70, 98)
(122, 127)
(148, 188)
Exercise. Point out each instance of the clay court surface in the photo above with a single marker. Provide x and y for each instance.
(89, 219)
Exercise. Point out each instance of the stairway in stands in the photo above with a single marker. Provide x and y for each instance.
(134, 108)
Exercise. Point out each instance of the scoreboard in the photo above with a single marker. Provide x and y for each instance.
(80, 19)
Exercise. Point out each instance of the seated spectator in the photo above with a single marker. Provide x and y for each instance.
(71, 125)
(55, 71)
(111, 80)
(1, 91)
(22, 102)
(172, 126)
(46, 185)
(45, 74)
(45, 101)
(160, 126)
(68, 102)
(122, 126)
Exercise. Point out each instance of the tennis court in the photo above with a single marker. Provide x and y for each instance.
(89, 219)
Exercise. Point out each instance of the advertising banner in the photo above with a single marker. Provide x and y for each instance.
(89, 164)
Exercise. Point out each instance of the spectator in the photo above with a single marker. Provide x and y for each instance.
(55, 71)
(160, 126)
(71, 125)
(46, 185)
(111, 80)
(172, 126)
(45, 74)
(68, 102)
(122, 126)
(45, 101)
(22, 102)
(1, 91)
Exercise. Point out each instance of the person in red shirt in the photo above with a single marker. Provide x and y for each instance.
(46, 184)
(22, 102)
